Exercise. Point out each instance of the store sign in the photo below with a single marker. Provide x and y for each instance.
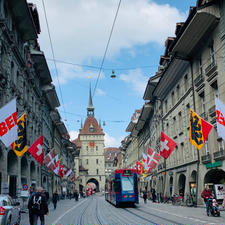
(220, 191)
(212, 165)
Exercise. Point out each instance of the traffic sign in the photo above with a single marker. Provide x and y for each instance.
(25, 187)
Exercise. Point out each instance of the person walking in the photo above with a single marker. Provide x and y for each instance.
(55, 198)
(153, 195)
(76, 195)
(38, 206)
(206, 195)
(145, 197)
(32, 193)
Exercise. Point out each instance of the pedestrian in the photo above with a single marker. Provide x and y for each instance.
(206, 195)
(223, 204)
(76, 195)
(55, 198)
(32, 193)
(153, 195)
(38, 206)
(47, 196)
(145, 197)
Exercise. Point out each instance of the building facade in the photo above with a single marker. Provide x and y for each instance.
(191, 75)
(24, 75)
(113, 160)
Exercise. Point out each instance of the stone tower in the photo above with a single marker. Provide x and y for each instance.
(91, 137)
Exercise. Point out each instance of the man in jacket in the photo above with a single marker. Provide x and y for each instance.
(206, 194)
(55, 198)
(32, 193)
(38, 206)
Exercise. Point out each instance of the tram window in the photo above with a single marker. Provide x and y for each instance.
(117, 185)
(127, 184)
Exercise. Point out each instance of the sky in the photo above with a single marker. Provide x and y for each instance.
(79, 32)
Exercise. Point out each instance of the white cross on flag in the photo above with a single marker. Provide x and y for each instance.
(167, 146)
(152, 158)
(220, 118)
(37, 151)
(49, 160)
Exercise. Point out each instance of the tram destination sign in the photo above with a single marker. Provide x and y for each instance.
(127, 172)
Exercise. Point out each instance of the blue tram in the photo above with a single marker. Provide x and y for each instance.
(122, 187)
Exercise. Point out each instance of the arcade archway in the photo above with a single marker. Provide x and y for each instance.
(12, 170)
(181, 184)
(94, 184)
(24, 170)
(33, 174)
(215, 176)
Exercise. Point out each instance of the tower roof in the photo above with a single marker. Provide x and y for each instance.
(90, 108)
(91, 126)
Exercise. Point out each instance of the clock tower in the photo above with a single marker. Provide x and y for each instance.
(91, 137)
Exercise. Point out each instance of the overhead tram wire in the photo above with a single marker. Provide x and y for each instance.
(53, 55)
(103, 68)
(107, 46)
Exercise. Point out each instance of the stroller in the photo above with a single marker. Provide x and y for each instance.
(214, 211)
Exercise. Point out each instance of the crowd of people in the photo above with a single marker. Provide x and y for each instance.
(39, 200)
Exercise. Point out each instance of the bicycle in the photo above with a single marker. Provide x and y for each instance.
(189, 201)
(177, 200)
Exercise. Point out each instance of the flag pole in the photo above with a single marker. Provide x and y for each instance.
(198, 159)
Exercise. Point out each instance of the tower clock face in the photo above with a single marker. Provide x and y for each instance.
(92, 144)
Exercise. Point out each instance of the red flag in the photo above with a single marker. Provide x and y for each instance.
(139, 167)
(167, 145)
(49, 160)
(61, 171)
(153, 158)
(37, 151)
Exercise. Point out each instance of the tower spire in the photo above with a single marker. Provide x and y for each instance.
(90, 109)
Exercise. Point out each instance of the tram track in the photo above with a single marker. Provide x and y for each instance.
(151, 214)
(81, 218)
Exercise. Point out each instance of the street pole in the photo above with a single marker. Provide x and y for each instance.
(198, 159)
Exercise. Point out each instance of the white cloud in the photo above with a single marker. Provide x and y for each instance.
(136, 80)
(73, 135)
(100, 92)
(80, 29)
(67, 73)
(112, 141)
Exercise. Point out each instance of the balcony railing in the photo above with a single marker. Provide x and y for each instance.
(219, 155)
(206, 158)
(210, 69)
(212, 111)
(199, 80)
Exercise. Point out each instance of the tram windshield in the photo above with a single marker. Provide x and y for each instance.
(127, 184)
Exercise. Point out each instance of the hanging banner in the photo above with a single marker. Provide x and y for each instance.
(8, 121)
(20, 145)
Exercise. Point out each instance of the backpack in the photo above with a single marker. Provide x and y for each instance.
(36, 203)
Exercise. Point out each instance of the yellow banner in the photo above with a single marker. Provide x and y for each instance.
(20, 145)
(196, 135)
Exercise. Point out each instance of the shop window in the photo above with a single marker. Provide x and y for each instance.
(200, 67)
(96, 171)
(212, 53)
(96, 161)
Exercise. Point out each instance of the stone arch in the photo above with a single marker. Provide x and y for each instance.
(181, 183)
(12, 162)
(94, 181)
(12, 169)
(24, 170)
(44, 182)
(171, 185)
(33, 177)
(193, 176)
(215, 176)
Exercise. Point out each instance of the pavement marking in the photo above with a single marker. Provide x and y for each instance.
(56, 221)
(195, 219)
